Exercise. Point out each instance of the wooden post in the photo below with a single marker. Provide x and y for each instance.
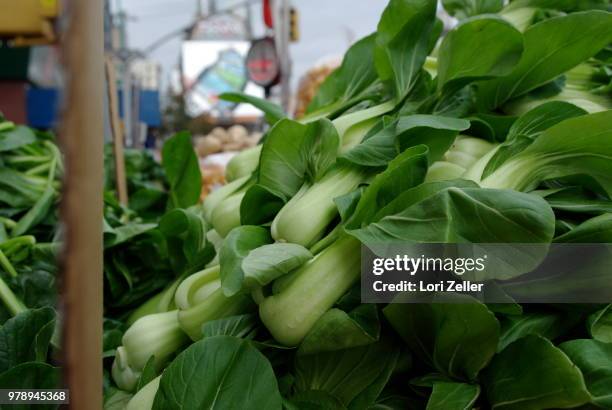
(82, 139)
(117, 130)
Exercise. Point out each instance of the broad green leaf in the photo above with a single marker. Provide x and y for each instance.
(367, 398)
(538, 120)
(337, 330)
(32, 375)
(564, 5)
(419, 193)
(528, 127)
(551, 47)
(397, 402)
(344, 374)
(313, 400)
(548, 325)
(350, 80)
(467, 8)
(594, 230)
(600, 325)
(402, 42)
(115, 399)
(322, 147)
(272, 112)
(124, 233)
(490, 127)
(478, 49)
(267, 262)
(576, 200)
(457, 339)
(111, 337)
(347, 204)
(436, 132)
(236, 246)
(185, 232)
(182, 170)
(294, 152)
(16, 137)
(374, 150)
(237, 376)
(402, 173)
(532, 374)
(26, 338)
(580, 205)
(147, 197)
(468, 215)
(579, 145)
(149, 372)
(259, 205)
(464, 215)
(454, 103)
(594, 359)
(453, 396)
(241, 326)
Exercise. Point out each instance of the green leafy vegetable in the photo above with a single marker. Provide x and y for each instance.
(237, 376)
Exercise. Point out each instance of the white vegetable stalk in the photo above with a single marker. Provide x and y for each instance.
(344, 122)
(243, 164)
(313, 289)
(143, 400)
(443, 171)
(304, 219)
(474, 173)
(431, 66)
(588, 101)
(160, 303)
(197, 287)
(357, 119)
(215, 306)
(200, 299)
(463, 155)
(521, 18)
(226, 215)
(158, 336)
(355, 134)
(520, 174)
(218, 195)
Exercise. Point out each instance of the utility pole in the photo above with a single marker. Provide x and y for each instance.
(123, 53)
(199, 12)
(281, 33)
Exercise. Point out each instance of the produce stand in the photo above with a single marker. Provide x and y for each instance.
(434, 235)
(390, 247)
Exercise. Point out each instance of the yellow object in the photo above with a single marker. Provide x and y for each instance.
(28, 22)
(294, 25)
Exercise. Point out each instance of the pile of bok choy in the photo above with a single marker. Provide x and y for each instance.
(499, 131)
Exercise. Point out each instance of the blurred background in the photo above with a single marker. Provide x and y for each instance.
(168, 60)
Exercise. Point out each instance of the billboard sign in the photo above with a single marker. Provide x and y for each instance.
(214, 67)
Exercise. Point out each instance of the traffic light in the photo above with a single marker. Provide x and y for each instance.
(294, 25)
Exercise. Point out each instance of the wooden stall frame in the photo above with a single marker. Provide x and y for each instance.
(82, 140)
(116, 130)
